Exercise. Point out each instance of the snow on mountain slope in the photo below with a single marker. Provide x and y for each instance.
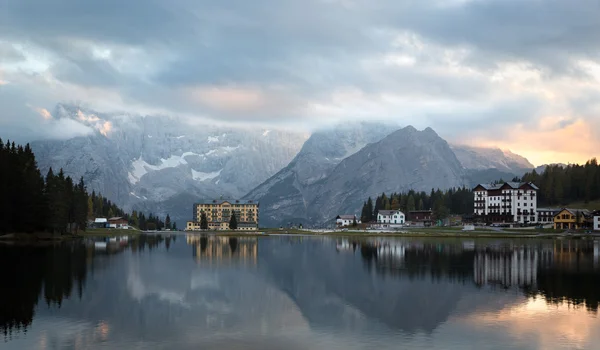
(140, 161)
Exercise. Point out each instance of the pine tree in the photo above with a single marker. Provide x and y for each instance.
(410, 203)
(354, 223)
(174, 228)
(203, 221)
(233, 225)
(364, 214)
(168, 222)
(395, 203)
(370, 210)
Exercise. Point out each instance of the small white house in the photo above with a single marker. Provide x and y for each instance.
(391, 217)
(597, 221)
(346, 220)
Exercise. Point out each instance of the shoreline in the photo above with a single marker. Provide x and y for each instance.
(45, 237)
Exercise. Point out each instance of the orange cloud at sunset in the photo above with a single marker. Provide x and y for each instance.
(552, 140)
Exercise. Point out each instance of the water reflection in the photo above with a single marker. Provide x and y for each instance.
(223, 250)
(198, 291)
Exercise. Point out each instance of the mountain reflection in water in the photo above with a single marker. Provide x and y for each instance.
(195, 291)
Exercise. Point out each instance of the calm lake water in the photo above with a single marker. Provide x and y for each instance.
(193, 292)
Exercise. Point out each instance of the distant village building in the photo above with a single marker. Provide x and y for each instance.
(572, 219)
(546, 215)
(100, 223)
(391, 217)
(218, 214)
(118, 222)
(510, 202)
(596, 218)
(421, 217)
(346, 220)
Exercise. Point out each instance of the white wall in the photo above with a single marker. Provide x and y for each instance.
(597, 223)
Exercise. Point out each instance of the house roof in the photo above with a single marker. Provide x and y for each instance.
(231, 201)
(115, 218)
(511, 184)
(549, 209)
(346, 217)
(583, 212)
(389, 212)
(100, 220)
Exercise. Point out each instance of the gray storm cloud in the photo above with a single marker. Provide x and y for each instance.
(480, 64)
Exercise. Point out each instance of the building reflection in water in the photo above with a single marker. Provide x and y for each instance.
(220, 250)
(513, 267)
(558, 270)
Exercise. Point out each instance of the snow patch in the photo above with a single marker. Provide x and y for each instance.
(229, 148)
(266, 132)
(136, 196)
(213, 139)
(200, 176)
(141, 167)
(149, 136)
(180, 137)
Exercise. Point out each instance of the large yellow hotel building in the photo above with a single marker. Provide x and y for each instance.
(218, 213)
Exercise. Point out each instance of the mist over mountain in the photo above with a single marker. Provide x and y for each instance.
(482, 158)
(145, 162)
(406, 159)
(164, 164)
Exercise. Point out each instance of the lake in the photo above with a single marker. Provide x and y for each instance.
(193, 292)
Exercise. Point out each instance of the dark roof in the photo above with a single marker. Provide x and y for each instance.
(231, 201)
(583, 212)
(346, 217)
(389, 212)
(513, 185)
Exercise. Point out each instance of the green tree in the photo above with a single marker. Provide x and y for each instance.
(134, 220)
(354, 223)
(410, 203)
(440, 211)
(90, 206)
(168, 222)
(203, 221)
(233, 225)
(174, 226)
(364, 214)
(370, 210)
(395, 205)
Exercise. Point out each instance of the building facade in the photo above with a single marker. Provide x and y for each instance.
(346, 220)
(421, 217)
(510, 202)
(391, 217)
(546, 215)
(571, 219)
(596, 219)
(218, 214)
(118, 222)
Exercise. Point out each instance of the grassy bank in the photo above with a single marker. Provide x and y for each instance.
(105, 232)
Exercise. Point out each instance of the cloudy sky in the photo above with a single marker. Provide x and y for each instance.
(518, 74)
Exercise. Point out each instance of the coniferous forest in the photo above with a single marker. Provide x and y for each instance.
(453, 201)
(561, 185)
(32, 202)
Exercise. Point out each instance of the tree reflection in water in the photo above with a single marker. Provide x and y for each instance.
(556, 270)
